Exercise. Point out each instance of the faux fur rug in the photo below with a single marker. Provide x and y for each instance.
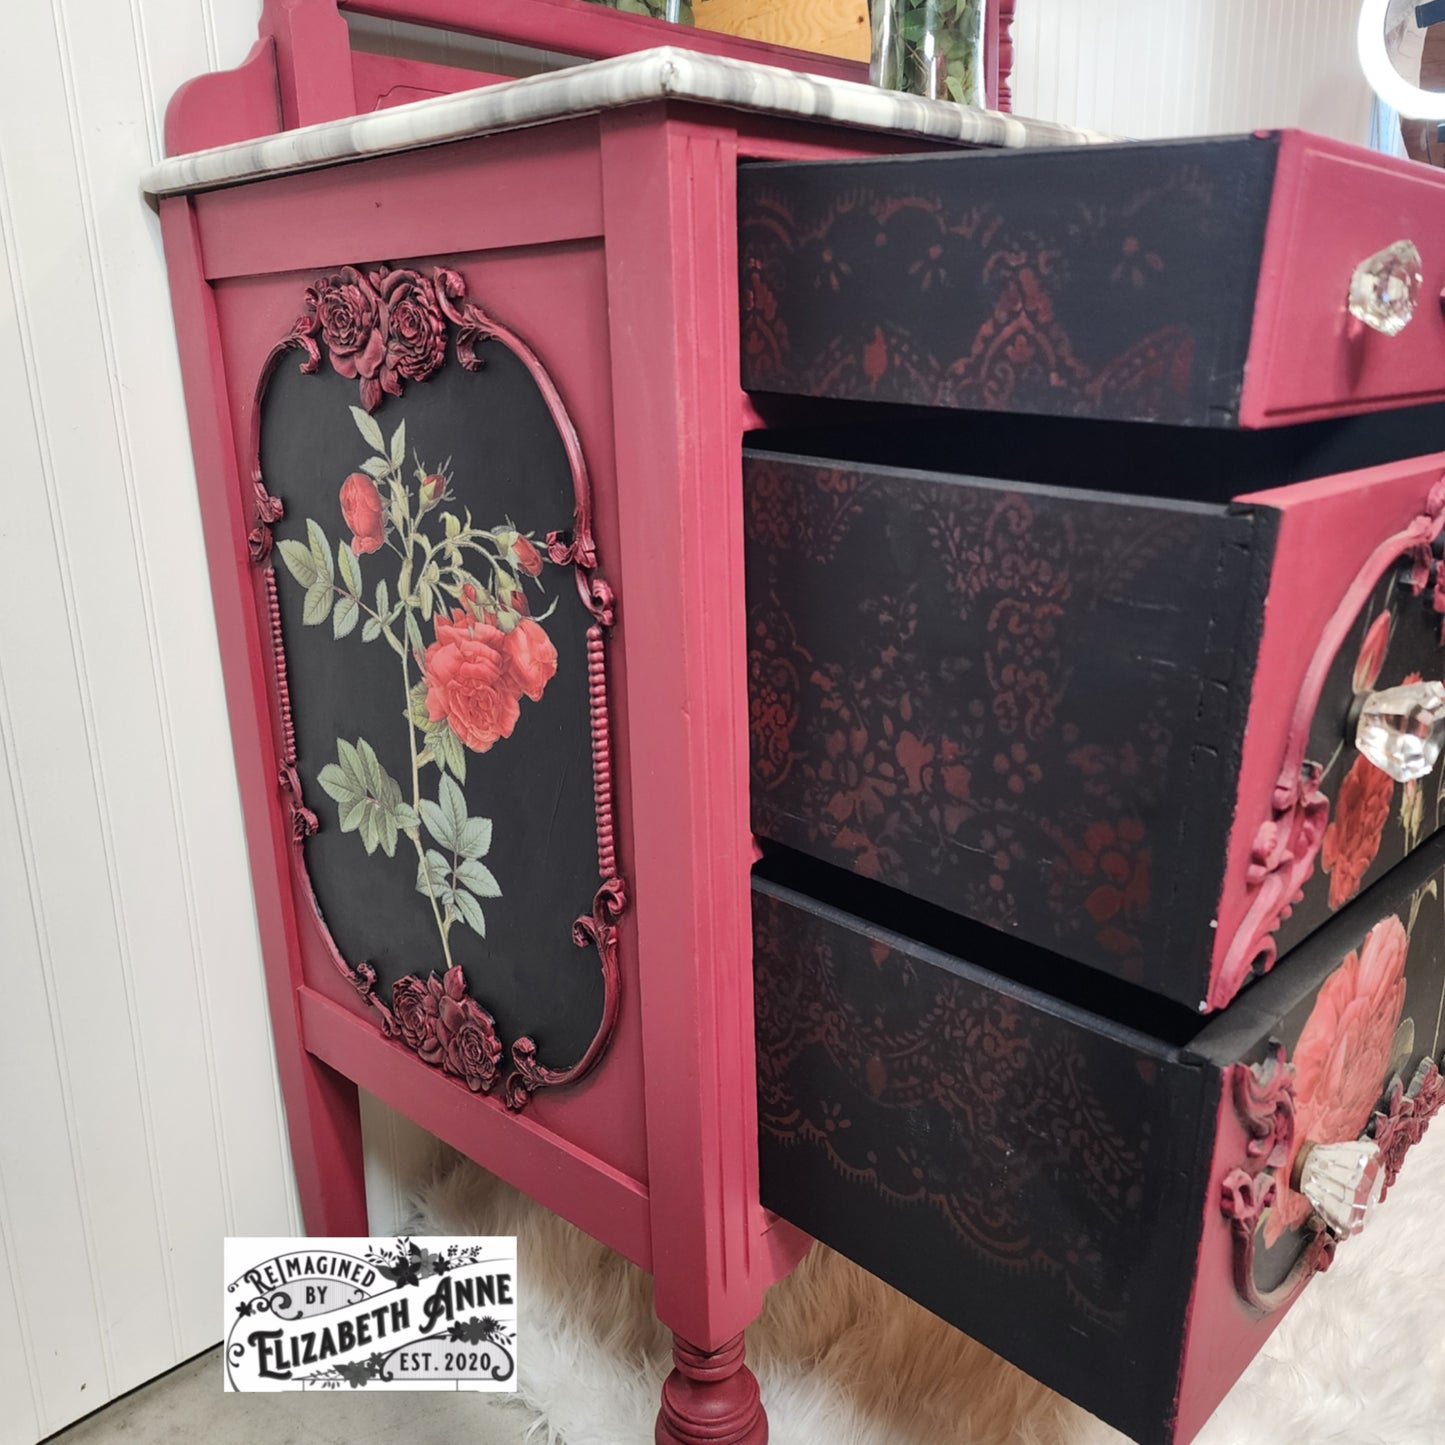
(844, 1360)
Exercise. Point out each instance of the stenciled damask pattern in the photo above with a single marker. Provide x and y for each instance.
(1075, 292)
(934, 1091)
(952, 691)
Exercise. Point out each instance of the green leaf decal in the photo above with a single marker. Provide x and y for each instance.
(299, 561)
(376, 779)
(437, 823)
(398, 446)
(371, 629)
(338, 784)
(478, 877)
(454, 805)
(451, 749)
(318, 603)
(320, 551)
(475, 840)
(351, 814)
(370, 431)
(350, 569)
(416, 707)
(470, 912)
(343, 620)
(368, 798)
(434, 869)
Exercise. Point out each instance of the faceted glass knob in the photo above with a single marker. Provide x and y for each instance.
(1385, 288)
(1343, 1183)
(1402, 729)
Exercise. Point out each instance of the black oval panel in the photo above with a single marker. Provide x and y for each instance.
(509, 469)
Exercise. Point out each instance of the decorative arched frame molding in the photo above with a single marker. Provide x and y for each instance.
(469, 326)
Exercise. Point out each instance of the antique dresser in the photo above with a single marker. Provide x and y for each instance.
(813, 664)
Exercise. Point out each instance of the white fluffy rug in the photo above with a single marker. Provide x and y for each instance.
(844, 1360)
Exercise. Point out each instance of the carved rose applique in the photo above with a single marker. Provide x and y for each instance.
(415, 330)
(350, 315)
(1353, 836)
(415, 1011)
(383, 328)
(442, 1023)
(1342, 1055)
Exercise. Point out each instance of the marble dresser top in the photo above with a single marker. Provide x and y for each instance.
(649, 75)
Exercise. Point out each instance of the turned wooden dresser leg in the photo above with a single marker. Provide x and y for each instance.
(711, 1398)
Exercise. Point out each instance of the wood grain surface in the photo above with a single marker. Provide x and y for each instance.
(829, 27)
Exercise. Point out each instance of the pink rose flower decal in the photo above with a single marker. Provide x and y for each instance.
(363, 513)
(1342, 1055)
(1353, 837)
(468, 681)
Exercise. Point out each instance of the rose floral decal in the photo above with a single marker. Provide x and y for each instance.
(1353, 837)
(1366, 793)
(452, 605)
(1342, 1057)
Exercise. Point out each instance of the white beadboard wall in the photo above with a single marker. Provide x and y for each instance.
(1146, 69)
(141, 1119)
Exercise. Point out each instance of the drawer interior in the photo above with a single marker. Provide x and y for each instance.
(1135, 458)
(1100, 1002)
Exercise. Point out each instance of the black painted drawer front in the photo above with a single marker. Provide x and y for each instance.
(1199, 282)
(1050, 1178)
(1064, 713)
(1116, 283)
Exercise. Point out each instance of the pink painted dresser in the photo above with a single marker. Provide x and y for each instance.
(795, 658)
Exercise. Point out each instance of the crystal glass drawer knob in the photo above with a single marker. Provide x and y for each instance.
(1343, 1183)
(1402, 729)
(1385, 288)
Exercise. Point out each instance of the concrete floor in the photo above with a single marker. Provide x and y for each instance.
(187, 1407)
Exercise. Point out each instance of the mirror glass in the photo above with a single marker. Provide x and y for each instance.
(1413, 27)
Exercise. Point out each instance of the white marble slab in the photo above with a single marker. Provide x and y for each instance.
(648, 75)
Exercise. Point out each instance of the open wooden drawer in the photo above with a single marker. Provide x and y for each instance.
(1115, 717)
(1203, 282)
(1095, 1185)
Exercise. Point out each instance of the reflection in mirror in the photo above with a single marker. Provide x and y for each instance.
(1409, 26)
